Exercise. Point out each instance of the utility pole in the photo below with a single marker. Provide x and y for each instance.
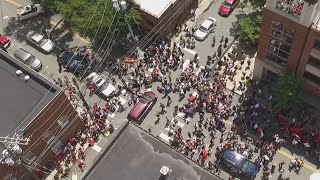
(121, 5)
(11, 155)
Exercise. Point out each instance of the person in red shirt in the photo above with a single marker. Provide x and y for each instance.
(91, 88)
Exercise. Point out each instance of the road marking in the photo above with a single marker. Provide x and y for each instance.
(14, 3)
(111, 115)
(96, 148)
(165, 137)
(178, 124)
(74, 177)
(289, 156)
(5, 17)
(185, 64)
(53, 23)
(305, 164)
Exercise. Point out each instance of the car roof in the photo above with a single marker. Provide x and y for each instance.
(229, 1)
(206, 23)
(137, 110)
(22, 54)
(37, 37)
(3, 39)
(233, 158)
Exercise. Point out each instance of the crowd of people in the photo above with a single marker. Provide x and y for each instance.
(94, 124)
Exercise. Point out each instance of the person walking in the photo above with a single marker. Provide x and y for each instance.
(163, 108)
(169, 101)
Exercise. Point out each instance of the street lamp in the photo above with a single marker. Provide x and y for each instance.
(120, 5)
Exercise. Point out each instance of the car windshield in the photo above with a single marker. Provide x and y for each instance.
(104, 86)
(227, 5)
(146, 98)
(43, 42)
(30, 59)
(245, 166)
(203, 29)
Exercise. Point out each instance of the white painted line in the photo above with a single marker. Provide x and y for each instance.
(165, 137)
(181, 114)
(96, 148)
(149, 89)
(44, 69)
(5, 17)
(199, 70)
(185, 64)
(190, 51)
(111, 115)
(178, 124)
(74, 177)
(122, 100)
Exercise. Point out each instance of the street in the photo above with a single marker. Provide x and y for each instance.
(154, 123)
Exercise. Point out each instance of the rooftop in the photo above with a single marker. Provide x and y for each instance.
(316, 21)
(138, 156)
(154, 7)
(18, 97)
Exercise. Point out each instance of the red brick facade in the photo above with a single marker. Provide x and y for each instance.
(302, 45)
(175, 15)
(49, 121)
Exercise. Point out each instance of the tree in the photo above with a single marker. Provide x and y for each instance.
(289, 86)
(87, 16)
(256, 4)
(250, 28)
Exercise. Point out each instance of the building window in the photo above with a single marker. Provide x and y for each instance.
(58, 146)
(48, 137)
(270, 76)
(317, 44)
(29, 157)
(280, 43)
(312, 78)
(291, 7)
(63, 121)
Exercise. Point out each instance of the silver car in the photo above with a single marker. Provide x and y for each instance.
(28, 59)
(40, 41)
(29, 11)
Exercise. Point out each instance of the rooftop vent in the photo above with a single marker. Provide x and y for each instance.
(18, 72)
(27, 78)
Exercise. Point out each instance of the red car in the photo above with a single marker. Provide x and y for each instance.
(142, 107)
(4, 43)
(227, 7)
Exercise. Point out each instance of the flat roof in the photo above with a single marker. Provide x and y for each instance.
(138, 156)
(21, 101)
(154, 7)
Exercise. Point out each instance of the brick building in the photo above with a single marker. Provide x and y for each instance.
(290, 38)
(165, 15)
(37, 109)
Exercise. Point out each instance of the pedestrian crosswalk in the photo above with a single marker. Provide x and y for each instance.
(165, 137)
(177, 121)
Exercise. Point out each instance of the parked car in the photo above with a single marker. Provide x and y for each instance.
(142, 107)
(72, 62)
(29, 11)
(102, 86)
(207, 27)
(227, 7)
(28, 59)
(5, 43)
(40, 41)
(239, 164)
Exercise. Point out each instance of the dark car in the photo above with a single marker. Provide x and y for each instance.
(140, 109)
(72, 62)
(239, 164)
(227, 7)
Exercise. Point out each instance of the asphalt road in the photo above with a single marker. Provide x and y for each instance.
(16, 31)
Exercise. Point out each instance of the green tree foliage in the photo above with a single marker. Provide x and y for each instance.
(250, 29)
(289, 86)
(77, 16)
(256, 4)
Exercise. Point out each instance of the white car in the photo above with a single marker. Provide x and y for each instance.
(103, 87)
(40, 41)
(205, 29)
(29, 11)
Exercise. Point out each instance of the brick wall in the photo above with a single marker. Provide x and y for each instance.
(44, 122)
(298, 42)
(175, 15)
